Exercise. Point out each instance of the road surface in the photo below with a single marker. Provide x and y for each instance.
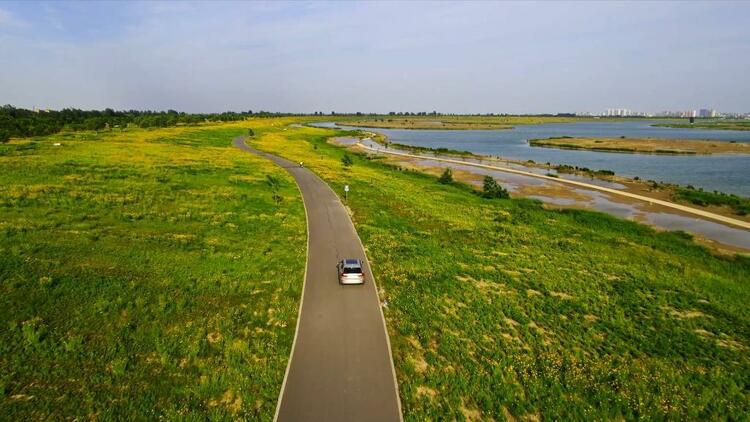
(341, 367)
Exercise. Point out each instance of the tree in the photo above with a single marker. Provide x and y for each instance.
(274, 183)
(4, 136)
(492, 189)
(347, 160)
(250, 132)
(446, 177)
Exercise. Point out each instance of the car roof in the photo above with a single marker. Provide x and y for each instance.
(351, 262)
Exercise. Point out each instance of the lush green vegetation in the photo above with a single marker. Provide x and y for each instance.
(156, 274)
(723, 124)
(149, 274)
(738, 204)
(565, 168)
(493, 190)
(499, 308)
(19, 123)
(347, 160)
(446, 177)
(442, 151)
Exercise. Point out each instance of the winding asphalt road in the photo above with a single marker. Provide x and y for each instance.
(341, 367)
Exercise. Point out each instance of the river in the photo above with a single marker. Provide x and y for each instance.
(722, 172)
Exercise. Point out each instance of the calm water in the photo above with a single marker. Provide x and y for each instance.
(593, 199)
(726, 173)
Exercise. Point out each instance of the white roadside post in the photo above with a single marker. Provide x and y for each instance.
(346, 192)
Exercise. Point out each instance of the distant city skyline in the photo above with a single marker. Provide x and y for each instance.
(462, 57)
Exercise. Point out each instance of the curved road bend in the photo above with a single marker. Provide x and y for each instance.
(341, 367)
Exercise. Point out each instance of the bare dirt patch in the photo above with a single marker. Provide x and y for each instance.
(553, 190)
(693, 313)
(420, 365)
(471, 414)
(561, 295)
(229, 400)
(423, 391)
(591, 318)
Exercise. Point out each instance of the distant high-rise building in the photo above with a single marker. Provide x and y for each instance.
(707, 112)
(619, 112)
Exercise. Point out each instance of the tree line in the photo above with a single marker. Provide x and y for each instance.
(20, 122)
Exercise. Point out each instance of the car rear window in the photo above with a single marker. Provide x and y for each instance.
(352, 270)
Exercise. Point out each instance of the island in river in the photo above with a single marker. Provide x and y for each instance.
(644, 145)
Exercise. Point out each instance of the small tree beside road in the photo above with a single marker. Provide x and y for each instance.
(492, 189)
(447, 177)
(346, 160)
(274, 183)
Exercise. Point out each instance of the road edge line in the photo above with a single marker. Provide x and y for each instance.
(380, 307)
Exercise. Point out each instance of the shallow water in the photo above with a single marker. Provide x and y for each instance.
(723, 172)
(599, 201)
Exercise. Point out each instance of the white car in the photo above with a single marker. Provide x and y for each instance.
(350, 271)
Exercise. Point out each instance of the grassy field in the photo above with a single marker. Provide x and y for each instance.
(152, 274)
(503, 309)
(146, 274)
(723, 124)
(644, 145)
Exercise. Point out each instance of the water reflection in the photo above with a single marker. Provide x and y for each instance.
(723, 172)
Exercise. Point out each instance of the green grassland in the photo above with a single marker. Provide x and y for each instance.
(503, 309)
(723, 124)
(145, 274)
(152, 274)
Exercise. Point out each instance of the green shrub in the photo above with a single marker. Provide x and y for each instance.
(347, 160)
(274, 183)
(446, 177)
(492, 189)
(740, 205)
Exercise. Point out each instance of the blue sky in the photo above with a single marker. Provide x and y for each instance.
(459, 57)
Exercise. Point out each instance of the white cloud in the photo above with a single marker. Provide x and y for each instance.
(463, 57)
(9, 20)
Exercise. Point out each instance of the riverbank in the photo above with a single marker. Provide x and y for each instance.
(644, 145)
(720, 203)
(729, 124)
(717, 172)
(566, 187)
